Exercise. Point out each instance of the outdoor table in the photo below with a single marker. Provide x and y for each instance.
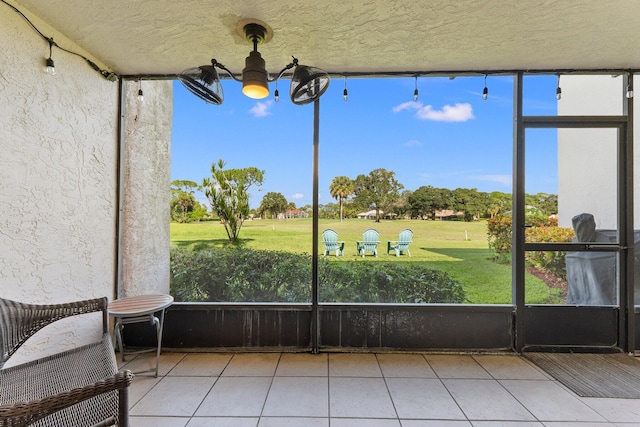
(136, 309)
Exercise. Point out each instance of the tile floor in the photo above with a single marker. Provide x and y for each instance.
(360, 390)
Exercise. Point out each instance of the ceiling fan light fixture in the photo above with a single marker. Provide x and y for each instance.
(203, 82)
(255, 78)
(308, 84)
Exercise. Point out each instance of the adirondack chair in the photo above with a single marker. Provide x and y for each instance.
(369, 242)
(331, 243)
(402, 244)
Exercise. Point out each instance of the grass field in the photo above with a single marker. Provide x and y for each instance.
(459, 248)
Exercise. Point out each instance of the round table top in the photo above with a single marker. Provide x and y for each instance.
(139, 305)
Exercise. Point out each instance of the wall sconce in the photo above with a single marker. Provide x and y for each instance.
(307, 83)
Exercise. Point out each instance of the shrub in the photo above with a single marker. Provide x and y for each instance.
(499, 232)
(542, 229)
(243, 275)
(551, 261)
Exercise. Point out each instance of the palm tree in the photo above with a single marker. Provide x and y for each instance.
(341, 187)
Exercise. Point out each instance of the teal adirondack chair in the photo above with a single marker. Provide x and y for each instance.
(402, 244)
(369, 242)
(331, 243)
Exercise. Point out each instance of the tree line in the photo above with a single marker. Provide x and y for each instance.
(380, 191)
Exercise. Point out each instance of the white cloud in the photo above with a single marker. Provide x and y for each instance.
(297, 196)
(261, 109)
(411, 105)
(460, 112)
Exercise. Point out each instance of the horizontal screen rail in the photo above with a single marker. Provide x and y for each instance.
(612, 122)
(573, 247)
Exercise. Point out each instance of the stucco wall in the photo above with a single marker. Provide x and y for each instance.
(59, 174)
(587, 157)
(146, 216)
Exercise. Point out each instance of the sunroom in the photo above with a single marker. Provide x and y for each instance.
(86, 167)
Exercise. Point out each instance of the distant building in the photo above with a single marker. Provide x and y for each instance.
(448, 214)
(293, 213)
(369, 215)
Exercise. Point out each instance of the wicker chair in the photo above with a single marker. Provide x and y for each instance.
(77, 387)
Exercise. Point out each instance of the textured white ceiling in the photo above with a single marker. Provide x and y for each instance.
(368, 36)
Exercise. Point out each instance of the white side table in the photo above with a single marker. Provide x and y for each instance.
(136, 309)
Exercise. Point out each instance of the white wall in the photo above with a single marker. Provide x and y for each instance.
(587, 157)
(145, 244)
(59, 175)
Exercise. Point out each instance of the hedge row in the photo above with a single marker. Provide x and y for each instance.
(244, 275)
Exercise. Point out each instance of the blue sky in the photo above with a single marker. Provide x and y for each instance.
(449, 138)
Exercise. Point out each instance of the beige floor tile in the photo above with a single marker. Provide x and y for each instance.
(359, 398)
(548, 401)
(174, 396)
(252, 365)
(616, 410)
(508, 424)
(435, 423)
(508, 367)
(293, 422)
(140, 386)
(486, 400)
(236, 397)
(201, 364)
(363, 422)
(354, 365)
(586, 424)
(298, 397)
(158, 421)
(147, 361)
(355, 395)
(223, 422)
(423, 398)
(405, 365)
(456, 366)
(303, 365)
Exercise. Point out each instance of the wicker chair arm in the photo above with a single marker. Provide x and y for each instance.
(19, 321)
(25, 413)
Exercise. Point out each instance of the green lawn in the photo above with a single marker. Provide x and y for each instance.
(459, 248)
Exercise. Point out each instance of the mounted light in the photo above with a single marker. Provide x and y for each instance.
(255, 79)
(140, 92)
(485, 91)
(49, 66)
(307, 83)
(345, 93)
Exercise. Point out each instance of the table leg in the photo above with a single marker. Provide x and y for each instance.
(158, 323)
(159, 328)
(117, 331)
